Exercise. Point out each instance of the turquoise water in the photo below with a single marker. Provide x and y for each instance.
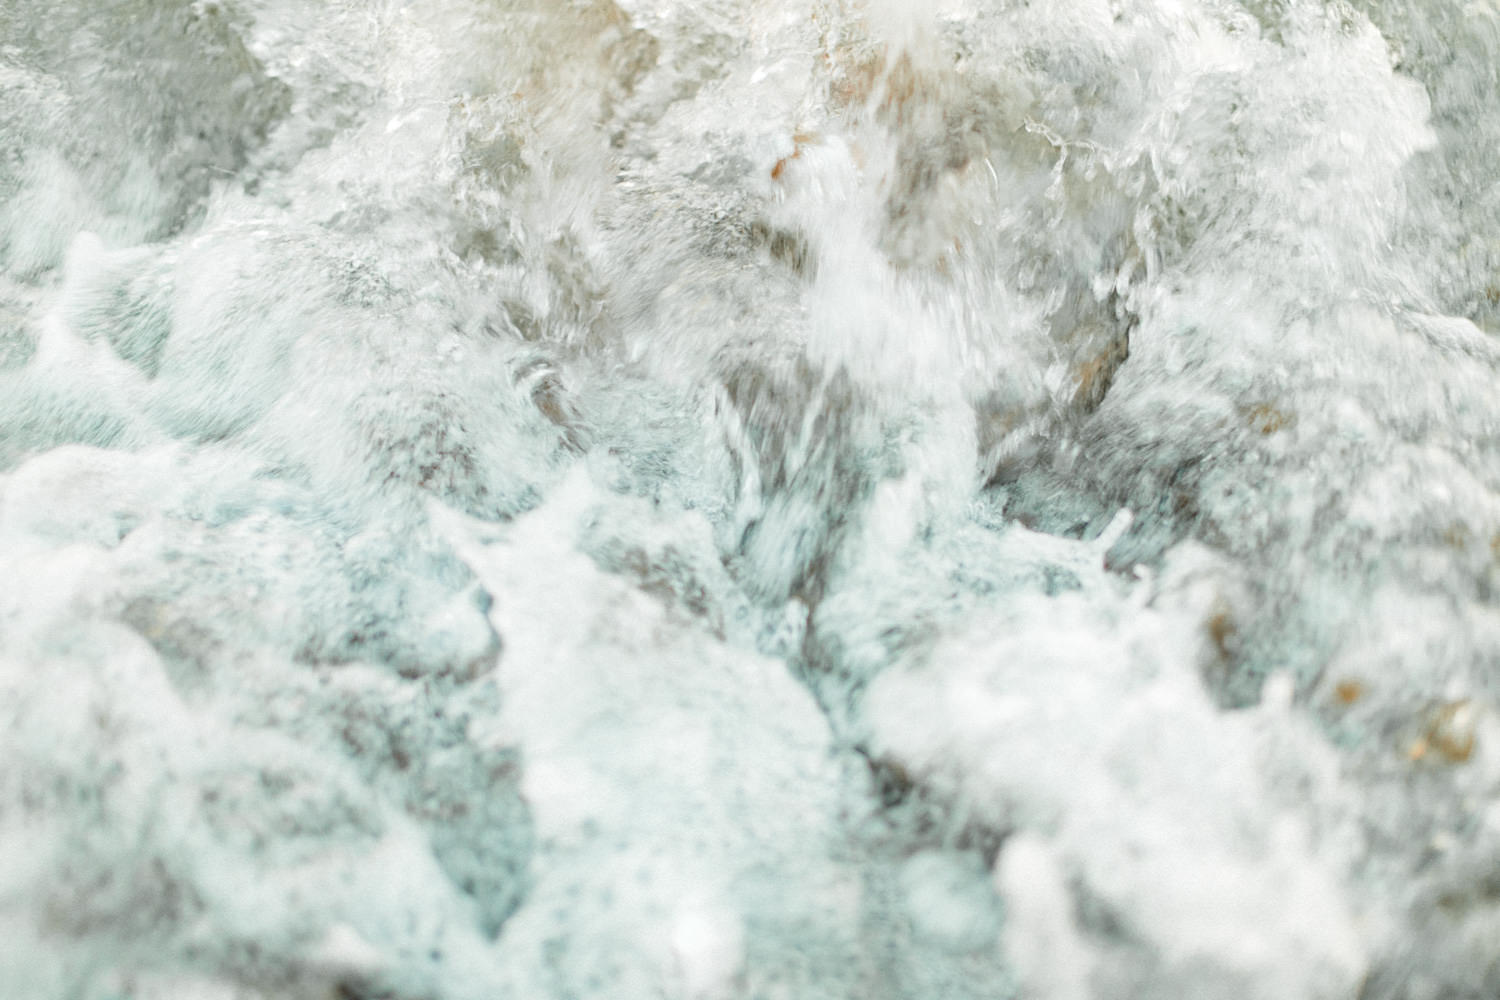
(747, 499)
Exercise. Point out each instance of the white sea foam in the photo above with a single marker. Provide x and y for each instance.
(838, 498)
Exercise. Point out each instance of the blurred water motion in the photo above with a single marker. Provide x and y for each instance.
(733, 499)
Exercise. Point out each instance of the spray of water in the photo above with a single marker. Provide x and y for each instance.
(830, 498)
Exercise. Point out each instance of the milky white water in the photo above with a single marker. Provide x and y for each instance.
(749, 499)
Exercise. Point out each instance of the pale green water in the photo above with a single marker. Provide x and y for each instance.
(787, 500)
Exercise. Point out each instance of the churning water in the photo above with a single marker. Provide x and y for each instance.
(749, 499)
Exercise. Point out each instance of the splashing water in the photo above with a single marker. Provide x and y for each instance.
(827, 498)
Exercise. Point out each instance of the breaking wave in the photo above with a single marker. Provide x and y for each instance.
(732, 499)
